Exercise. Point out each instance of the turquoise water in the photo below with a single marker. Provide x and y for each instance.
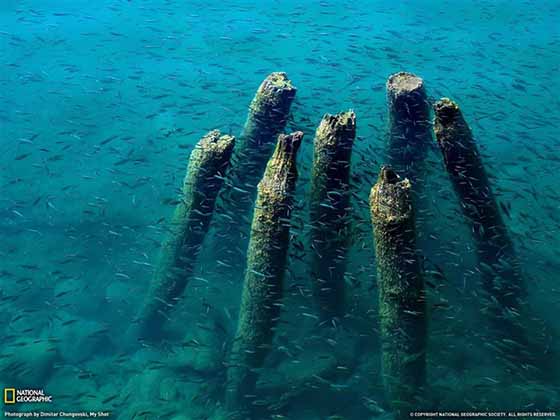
(101, 103)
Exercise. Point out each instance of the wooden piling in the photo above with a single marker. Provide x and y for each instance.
(330, 211)
(499, 266)
(189, 225)
(266, 262)
(402, 302)
(267, 118)
(410, 130)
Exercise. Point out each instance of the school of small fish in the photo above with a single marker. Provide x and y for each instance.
(101, 104)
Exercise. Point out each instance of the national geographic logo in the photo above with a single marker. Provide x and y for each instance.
(9, 395)
(13, 395)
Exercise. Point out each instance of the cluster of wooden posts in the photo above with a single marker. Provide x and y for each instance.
(264, 153)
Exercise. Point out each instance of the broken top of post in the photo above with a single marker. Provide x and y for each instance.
(216, 144)
(274, 96)
(404, 83)
(447, 113)
(390, 198)
(338, 128)
(210, 157)
(288, 145)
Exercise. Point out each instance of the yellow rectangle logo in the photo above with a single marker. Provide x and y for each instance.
(9, 395)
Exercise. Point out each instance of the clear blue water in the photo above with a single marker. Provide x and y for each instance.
(102, 101)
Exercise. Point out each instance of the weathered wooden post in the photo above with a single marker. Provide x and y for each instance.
(499, 265)
(402, 301)
(330, 211)
(410, 129)
(267, 118)
(266, 262)
(189, 225)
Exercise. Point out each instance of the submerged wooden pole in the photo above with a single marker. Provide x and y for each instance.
(402, 303)
(500, 267)
(266, 261)
(410, 133)
(190, 222)
(330, 210)
(267, 118)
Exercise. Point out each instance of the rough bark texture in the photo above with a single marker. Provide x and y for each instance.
(330, 210)
(410, 132)
(266, 261)
(402, 304)
(267, 118)
(499, 265)
(189, 225)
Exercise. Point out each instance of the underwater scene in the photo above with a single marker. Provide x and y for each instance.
(303, 210)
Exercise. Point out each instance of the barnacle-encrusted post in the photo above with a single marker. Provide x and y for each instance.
(402, 304)
(189, 225)
(499, 265)
(330, 210)
(266, 261)
(410, 132)
(268, 115)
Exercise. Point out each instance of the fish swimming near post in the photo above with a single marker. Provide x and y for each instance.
(402, 299)
(267, 118)
(264, 275)
(500, 267)
(330, 216)
(410, 128)
(189, 225)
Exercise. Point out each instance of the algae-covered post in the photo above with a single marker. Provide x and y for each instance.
(268, 115)
(190, 222)
(266, 261)
(410, 132)
(495, 251)
(402, 304)
(330, 210)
